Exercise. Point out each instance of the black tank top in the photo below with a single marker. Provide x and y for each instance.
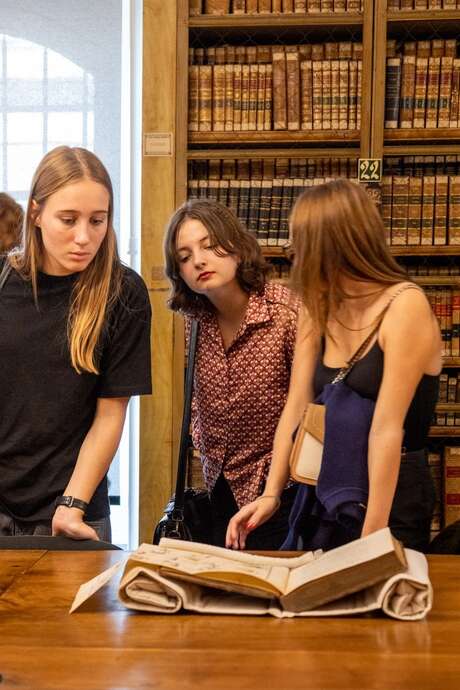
(365, 378)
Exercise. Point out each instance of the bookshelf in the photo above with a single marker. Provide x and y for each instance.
(204, 149)
(429, 30)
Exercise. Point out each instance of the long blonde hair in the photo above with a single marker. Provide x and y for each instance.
(337, 231)
(98, 286)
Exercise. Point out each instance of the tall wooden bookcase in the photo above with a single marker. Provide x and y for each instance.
(169, 31)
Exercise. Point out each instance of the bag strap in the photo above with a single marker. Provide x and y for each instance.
(178, 510)
(343, 373)
(6, 270)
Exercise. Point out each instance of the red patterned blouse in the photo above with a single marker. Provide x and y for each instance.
(239, 394)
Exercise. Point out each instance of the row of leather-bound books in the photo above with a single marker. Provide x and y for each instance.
(217, 7)
(449, 383)
(422, 85)
(445, 302)
(258, 168)
(289, 92)
(421, 210)
(404, 5)
(445, 471)
(262, 205)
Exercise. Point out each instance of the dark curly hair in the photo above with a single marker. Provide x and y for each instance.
(227, 232)
(11, 219)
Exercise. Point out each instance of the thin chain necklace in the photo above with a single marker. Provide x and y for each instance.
(363, 328)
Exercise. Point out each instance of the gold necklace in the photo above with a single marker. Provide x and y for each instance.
(363, 328)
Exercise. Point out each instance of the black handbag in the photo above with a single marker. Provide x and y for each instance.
(188, 512)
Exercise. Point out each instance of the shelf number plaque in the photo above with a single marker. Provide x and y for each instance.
(370, 170)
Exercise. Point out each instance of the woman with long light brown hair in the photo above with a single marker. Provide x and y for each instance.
(352, 290)
(74, 346)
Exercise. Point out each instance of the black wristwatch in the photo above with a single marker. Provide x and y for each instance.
(71, 502)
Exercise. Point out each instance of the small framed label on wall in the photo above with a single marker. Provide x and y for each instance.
(370, 170)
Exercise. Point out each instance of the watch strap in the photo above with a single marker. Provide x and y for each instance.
(72, 502)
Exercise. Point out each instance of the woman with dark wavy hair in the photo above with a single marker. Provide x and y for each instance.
(244, 355)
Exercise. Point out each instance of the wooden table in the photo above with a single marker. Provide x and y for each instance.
(103, 646)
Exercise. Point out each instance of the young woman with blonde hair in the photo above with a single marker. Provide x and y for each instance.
(351, 287)
(74, 346)
(245, 347)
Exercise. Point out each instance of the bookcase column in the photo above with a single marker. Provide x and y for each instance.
(159, 412)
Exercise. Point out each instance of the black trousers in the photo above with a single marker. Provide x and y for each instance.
(267, 537)
(410, 516)
(413, 504)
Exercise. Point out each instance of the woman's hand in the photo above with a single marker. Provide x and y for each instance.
(69, 523)
(248, 518)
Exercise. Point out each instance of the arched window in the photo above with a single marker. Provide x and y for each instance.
(47, 100)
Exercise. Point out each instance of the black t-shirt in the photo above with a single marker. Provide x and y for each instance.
(46, 407)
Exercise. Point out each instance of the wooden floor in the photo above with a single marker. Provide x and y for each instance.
(103, 646)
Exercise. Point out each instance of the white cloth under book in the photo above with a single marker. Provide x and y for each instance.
(406, 595)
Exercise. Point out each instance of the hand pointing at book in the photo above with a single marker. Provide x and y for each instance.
(248, 518)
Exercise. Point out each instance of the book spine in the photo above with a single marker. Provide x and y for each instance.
(392, 92)
(440, 210)
(399, 210)
(251, 7)
(254, 205)
(253, 95)
(243, 202)
(205, 98)
(455, 342)
(194, 8)
(218, 100)
(335, 93)
(445, 82)
(455, 91)
(265, 7)
(317, 80)
(407, 101)
(238, 6)
(434, 65)
(234, 195)
(279, 90)
(217, 6)
(283, 234)
(451, 484)
(237, 77)
(293, 94)
(353, 93)
(326, 93)
(421, 73)
(414, 222)
(454, 210)
(343, 94)
(276, 6)
(428, 209)
(245, 96)
(193, 189)
(306, 94)
(262, 70)
(359, 97)
(327, 6)
(288, 6)
(273, 228)
(387, 188)
(300, 6)
(264, 213)
(229, 98)
(268, 97)
(314, 6)
(222, 196)
(193, 98)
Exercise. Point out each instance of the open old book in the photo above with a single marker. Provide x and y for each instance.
(353, 578)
